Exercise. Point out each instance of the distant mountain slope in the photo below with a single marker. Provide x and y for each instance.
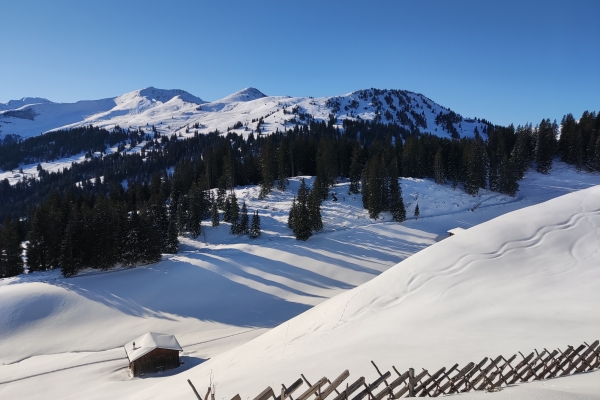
(34, 118)
(245, 111)
(13, 104)
(525, 280)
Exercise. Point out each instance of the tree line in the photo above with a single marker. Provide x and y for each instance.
(372, 155)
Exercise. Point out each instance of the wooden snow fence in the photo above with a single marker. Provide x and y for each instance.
(488, 374)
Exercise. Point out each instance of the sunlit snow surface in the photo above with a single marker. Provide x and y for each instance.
(525, 280)
(174, 111)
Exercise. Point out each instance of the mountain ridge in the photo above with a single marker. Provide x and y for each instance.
(175, 111)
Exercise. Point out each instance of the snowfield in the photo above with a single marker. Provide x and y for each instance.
(260, 312)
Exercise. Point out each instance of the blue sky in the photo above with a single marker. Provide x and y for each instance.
(506, 61)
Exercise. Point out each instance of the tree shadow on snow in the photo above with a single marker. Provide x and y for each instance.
(170, 288)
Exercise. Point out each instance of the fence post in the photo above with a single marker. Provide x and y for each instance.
(411, 382)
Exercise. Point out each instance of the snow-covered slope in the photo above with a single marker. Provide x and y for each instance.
(13, 104)
(63, 337)
(33, 118)
(526, 280)
(177, 111)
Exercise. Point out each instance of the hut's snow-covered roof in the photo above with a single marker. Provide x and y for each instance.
(456, 231)
(148, 342)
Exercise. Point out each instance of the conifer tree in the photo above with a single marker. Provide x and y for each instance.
(301, 221)
(70, 253)
(282, 165)
(215, 215)
(196, 211)
(292, 214)
(234, 210)
(417, 212)
(545, 145)
(255, 226)
(268, 173)
(221, 193)
(132, 254)
(149, 239)
(508, 177)
(11, 263)
(227, 210)
(243, 227)
(172, 242)
(521, 153)
(38, 248)
(314, 209)
(183, 215)
(598, 153)
(397, 203)
(355, 169)
(440, 174)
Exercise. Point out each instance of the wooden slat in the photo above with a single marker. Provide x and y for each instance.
(432, 378)
(265, 394)
(194, 389)
(378, 371)
(498, 373)
(351, 389)
(516, 370)
(581, 358)
(390, 388)
(336, 382)
(438, 382)
(484, 372)
(372, 386)
(432, 390)
(459, 375)
(545, 364)
(542, 363)
(405, 389)
(597, 363)
(420, 376)
(312, 389)
(401, 392)
(288, 391)
(588, 364)
(467, 376)
(568, 359)
(236, 397)
(553, 367)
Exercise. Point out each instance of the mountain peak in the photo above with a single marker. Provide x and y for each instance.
(162, 95)
(14, 104)
(246, 94)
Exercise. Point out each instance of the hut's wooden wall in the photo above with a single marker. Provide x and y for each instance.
(154, 361)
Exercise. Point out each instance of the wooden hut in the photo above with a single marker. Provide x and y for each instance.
(152, 352)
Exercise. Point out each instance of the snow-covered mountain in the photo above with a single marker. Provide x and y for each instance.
(177, 111)
(33, 118)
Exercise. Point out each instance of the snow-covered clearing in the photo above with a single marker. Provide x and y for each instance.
(62, 337)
